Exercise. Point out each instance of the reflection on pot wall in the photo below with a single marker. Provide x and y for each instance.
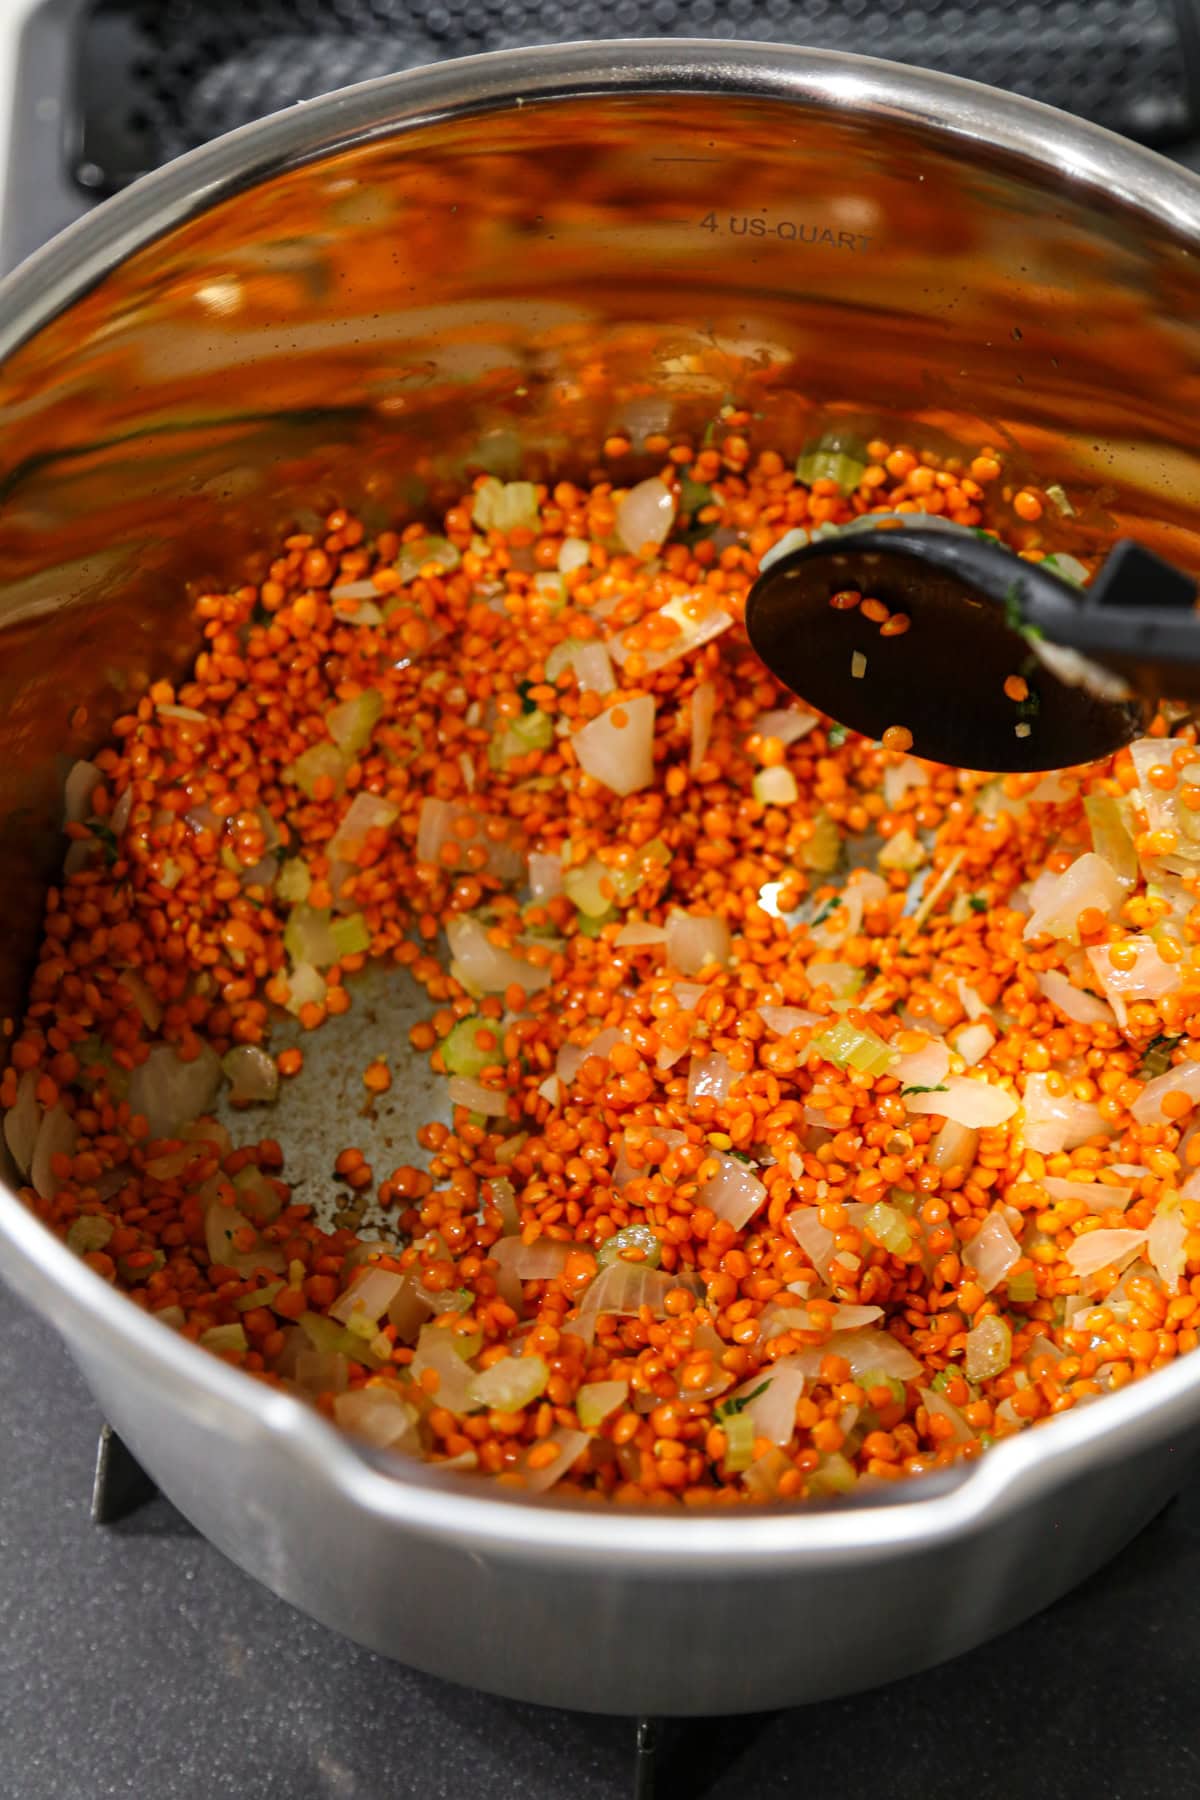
(505, 288)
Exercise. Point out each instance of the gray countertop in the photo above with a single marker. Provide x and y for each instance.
(134, 1660)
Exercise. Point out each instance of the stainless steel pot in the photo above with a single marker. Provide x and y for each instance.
(504, 258)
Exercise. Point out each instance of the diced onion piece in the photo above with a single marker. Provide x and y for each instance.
(221, 1225)
(903, 851)
(435, 828)
(969, 1000)
(593, 667)
(351, 723)
(924, 1068)
(816, 1241)
(571, 1445)
(617, 747)
(970, 1102)
(973, 1042)
(1098, 1196)
(1094, 1250)
(1180, 1078)
(365, 814)
(81, 784)
(1149, 978)
(168, 1092)
(321, 1371)
(773, 1411)
(696, 619)
(354, 590)
(597, 1399)
(409, 1309)
(379, 1415)
(704, 707)
(476, 1097)
(1166, 1245)
(639, 933)
(571, 1057)
(436, 1349)
(1089, 883)
(306, 987)
(368, 1297)
(954, 1145)
(789, 724)
(1111, 837)
(899, 777)
(645, 515)
(734, 1193)
(418, 553)
(505, 505)
(941, 1408)
(710, 1078)
(786, 1019)
(692, 942)
(573, 553)
(252, 1074)
(543, 1260)
(989, 1349)
(992, 1252)
(487, 967)
(869, 1352)
(775, 787)
(1072, 1002)
(56, 1137)
(545, 875)
(22, 1122)
(622, 1288)
(1058, 1122)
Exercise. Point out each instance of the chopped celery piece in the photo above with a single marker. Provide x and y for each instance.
(505, 505)
(776, 787)
(224, 1337)
(693, 495)
(1158, 1057)
(350, 935)
(263, 1296)
(308, 938)
(835, 1476)
(509, 1384)
(873, 1379)
(327, 1335)
(590, 888)
(1111, 836)
(88, 1233)
(461, 1053)
(739, 1442)
(850, 1046)
(293, 882)
(1022, 1289)
(989, 1349)
(320, 760)
(889, 1227)
(350, 725)
(633, 1237)
(597, 1399)
(592, 928)
(837, 456)
(521, 736)
(418, 552)
(823, 850)
(136, 1273)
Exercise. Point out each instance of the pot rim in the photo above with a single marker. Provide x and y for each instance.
(83, 1306)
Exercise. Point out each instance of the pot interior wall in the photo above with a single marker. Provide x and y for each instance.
(503, 288)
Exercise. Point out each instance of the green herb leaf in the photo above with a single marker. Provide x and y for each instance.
(728, 1408)
(943, 1089)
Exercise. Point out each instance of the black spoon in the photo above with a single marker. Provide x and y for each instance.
(1095, 660)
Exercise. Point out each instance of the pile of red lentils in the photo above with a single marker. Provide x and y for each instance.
(171, 931)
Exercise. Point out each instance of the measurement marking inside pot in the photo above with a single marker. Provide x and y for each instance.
(787, 231)
(685, 159)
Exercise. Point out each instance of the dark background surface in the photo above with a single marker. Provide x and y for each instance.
(136, 1661)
